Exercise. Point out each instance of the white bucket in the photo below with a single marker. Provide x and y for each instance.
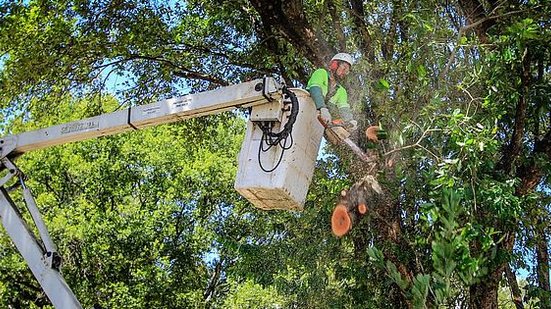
(286, 187)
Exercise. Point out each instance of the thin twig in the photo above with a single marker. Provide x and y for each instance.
(466, 28)
(417, 144)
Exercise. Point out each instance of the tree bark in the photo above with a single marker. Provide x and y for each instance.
(513, 285)
(288, 20)
(475, 13)
(213, 283)
(542, 256)
(530, 174)
(388, 46)
(483, 296)
(337, 27)
(358, 17)
(385, 220)
(513, 149)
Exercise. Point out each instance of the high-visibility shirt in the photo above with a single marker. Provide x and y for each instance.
(320, 78)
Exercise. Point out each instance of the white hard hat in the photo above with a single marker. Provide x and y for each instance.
(343, 57)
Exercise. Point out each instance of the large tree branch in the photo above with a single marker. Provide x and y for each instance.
(513, 285)
(475, 14)
(515, 145)
(388, 46)
(483, 295)
(214, 281)
(177, 69)
(531, 173)
(288, 19)
(358, 17)
(183, 71)
(542, 257)
(337, 27)
(385, 220)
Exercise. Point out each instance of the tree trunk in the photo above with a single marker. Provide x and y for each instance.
(360, 26)
(483, 295)
(542, 256)
(287, 19)
(515, 290)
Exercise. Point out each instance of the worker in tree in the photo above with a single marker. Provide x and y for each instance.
(329, 95)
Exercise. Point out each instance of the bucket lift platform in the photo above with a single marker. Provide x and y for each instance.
(287, 185)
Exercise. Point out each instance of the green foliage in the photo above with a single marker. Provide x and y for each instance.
(536, 296)
(451, 254)
(251, 295)
(420, 290)
(453, 264)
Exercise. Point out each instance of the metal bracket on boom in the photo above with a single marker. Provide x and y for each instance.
(265, 89)
(10, 167)
(40, 254)
(7, 145)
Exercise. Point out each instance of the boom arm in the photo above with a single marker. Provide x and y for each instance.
(260, 91)
(43, 262)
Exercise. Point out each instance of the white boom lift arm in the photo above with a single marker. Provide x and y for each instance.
(40, 252)
(248, 94)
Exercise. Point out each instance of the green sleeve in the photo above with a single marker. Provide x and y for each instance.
(317, 96)
(319, 78)
(341, 101)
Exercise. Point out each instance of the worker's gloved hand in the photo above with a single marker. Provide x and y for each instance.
(352, 125)
(324, 115)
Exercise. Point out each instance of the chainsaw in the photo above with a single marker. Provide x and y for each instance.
(337, 134)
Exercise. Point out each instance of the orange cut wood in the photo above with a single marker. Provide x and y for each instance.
(371, 133)
(340, 221)
(362, 209)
